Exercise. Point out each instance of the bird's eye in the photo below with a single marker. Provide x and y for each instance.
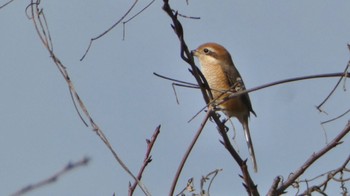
(206, 50)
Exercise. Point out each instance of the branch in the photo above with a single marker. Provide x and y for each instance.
(336, 86)
(207, 96)
(206, 178)
(295, 175)
(69, 167)
(41, 26)
(109, 29)
(294, 79)
(5, 4)
(132, 17)
(188, 151)
(148, 159)
(330, 176)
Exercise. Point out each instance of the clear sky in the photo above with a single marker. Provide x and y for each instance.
(269, 41)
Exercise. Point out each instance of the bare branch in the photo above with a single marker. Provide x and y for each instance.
(138, 13)
(5, 4)
(330, 176)
(206, 178)
(40, 24)
(333, 119)
(188, 151)
(295, 175)
(335, 87)
(327, 75)
(109, 29)
(68, 168)
(189, 187)
(147, 159)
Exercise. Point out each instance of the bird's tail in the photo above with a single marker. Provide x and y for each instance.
(250, 144)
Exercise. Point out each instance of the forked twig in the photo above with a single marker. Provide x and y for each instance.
(109, 29)
(207, 177)
(346, 74)
(132, 17)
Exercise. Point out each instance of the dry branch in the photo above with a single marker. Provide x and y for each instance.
(278, 190)
(147, 160)
(40, 23)
(69, 167)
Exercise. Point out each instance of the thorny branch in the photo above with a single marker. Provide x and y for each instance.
(187, 57)
(69, 167)
(41, 26)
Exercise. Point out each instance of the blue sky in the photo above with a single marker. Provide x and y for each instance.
(269, 41)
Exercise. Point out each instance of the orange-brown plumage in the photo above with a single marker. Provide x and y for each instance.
(224, 79)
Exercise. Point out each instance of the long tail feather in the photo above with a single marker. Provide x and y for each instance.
(250, 144)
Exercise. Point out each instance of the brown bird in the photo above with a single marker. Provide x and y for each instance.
(224, 79)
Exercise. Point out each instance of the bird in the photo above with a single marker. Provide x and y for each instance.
(224, 79)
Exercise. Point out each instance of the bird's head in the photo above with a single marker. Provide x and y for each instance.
(212, 53)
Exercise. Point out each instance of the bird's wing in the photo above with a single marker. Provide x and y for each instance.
(236, 82)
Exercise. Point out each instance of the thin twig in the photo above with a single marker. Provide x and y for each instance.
(138, 13)
(147, 160)
(295, 175)
(188, 151)
(69, 167)
(188, 17)
(327, 75)
(175, 80)
(233, 95)
(330, 176)
(189, 187)
(109, 29)
(335, 118)
(205, 178)
(5, 4)
(335, 87)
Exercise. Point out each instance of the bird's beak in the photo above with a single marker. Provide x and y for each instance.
(194, 52)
